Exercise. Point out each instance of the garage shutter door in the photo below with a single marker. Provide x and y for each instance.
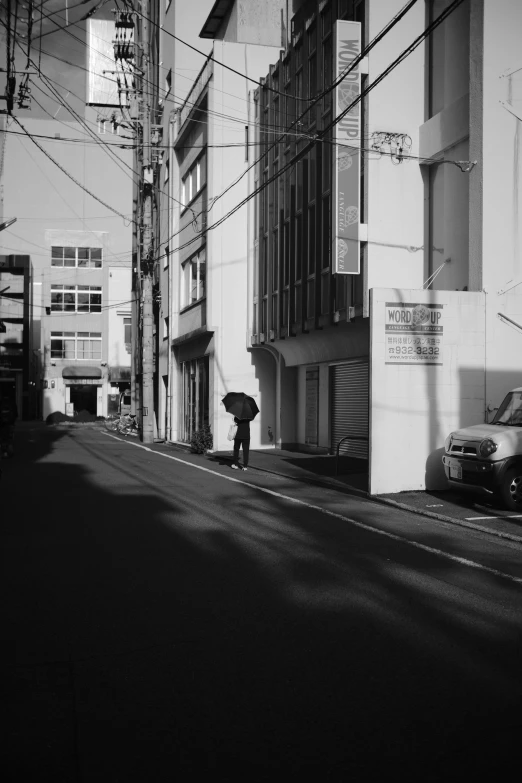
(349, 407)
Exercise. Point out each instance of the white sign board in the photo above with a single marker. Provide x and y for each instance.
(346, 157)
(102, 86)
(413, 333)
(414, 406)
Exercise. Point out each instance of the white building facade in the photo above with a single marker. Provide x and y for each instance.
(81, 259)
(202, 333)
(438, 229)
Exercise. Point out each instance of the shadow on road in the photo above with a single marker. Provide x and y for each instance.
(167, 623)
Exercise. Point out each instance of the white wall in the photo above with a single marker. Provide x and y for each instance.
(42, 197)
(395, 192)
(414, 407)
(227, 245)
(119, 295)
(502, 195)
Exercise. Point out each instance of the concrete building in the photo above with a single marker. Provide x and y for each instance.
(15, 334)
(202, 274)
(67, 180)
(437, 160)
(81, 256)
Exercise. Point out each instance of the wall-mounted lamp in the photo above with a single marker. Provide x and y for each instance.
(103, 364)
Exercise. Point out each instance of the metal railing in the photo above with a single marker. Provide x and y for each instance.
(347, 437)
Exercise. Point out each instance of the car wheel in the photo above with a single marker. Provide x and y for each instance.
(511, 489)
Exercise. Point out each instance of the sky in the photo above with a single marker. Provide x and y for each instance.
(60, 53)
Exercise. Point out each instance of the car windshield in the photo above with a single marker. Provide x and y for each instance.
(510, 412)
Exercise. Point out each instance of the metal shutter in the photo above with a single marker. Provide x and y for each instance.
(349, 403)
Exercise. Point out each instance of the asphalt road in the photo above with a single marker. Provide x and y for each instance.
(165, 617)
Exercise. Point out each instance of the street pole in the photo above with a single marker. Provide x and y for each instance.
(147, 253)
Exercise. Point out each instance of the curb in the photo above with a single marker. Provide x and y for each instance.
(348, 489)
(444, 518)
(330, 483)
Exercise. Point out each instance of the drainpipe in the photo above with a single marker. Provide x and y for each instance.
(170, 396)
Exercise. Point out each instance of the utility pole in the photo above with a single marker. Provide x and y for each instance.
(147, 251)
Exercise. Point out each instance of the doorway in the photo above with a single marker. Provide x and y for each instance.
(84, 398)
(195, 412)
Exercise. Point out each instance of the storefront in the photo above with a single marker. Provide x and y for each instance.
(119, 392)
(194, 397)
(349, 406)
(83, 390)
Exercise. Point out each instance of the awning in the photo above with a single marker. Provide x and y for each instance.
(119, 373)
(346, 341)
(82, 372)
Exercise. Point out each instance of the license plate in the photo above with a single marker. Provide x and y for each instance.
(455, 472)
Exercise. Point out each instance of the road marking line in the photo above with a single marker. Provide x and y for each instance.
(501, 516)
(362, 525)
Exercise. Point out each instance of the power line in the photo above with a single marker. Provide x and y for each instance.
(89, 192)
(82, 220)
(355, 62)
(385, 30)
(176, 100)
(112, 155)
(307, 148)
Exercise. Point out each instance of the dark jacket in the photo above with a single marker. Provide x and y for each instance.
(243, 429)
(8, 411)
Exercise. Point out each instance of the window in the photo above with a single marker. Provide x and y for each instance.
(192, 182)
(166, 257)
(87, 257)
(168, 82)
(63, 345)
(193, 279)
(76, 299)
(167, 171)
(127, 333)
(166, 328)
(101, 125)
(76, 345)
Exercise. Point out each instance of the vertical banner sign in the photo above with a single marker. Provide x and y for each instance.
(346, 158)
(413, 333)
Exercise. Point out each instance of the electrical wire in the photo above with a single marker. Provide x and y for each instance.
(355, 62)
(65, 314)
(230, 145)
(431, 27)
(80, 219)
(112, 155)
(70, 24)
(178, 101)
(89, 192)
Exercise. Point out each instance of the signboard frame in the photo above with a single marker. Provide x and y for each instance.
(414, 333)
(346, 176)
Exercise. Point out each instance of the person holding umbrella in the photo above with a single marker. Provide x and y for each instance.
(244, 409)
(242, 439)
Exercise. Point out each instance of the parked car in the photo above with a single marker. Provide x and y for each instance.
(488, 457)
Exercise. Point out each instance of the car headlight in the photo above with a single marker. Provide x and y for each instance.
(447, 442)
(487, 447)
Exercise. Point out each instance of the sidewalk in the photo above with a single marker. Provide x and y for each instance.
(466, 510)
(318, 469)
(472, 511)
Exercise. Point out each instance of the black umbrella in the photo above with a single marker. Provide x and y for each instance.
(240, 405)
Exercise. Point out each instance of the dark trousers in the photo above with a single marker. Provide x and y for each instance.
(7, 439)
(245, 442)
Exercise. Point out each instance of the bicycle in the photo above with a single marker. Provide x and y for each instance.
(125, 424)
